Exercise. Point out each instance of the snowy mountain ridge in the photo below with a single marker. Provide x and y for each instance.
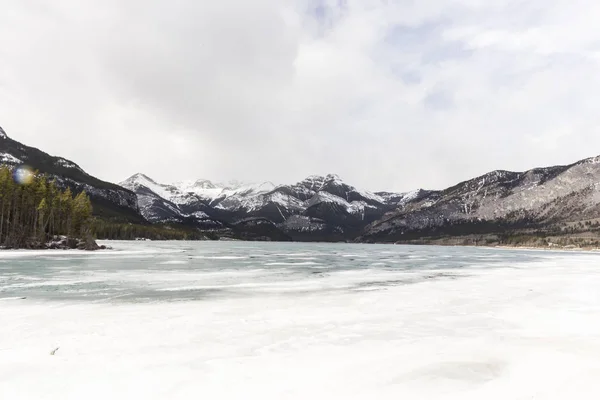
(551, 198)
(328, 200)
(107, 198)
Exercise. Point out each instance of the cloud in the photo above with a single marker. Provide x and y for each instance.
(391, 95)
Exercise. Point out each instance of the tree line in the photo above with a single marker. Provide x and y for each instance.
(103, 229)
(35, 209)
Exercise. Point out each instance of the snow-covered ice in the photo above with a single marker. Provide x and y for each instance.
(156, 320)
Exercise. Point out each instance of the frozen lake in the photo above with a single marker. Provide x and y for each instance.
(231, 320)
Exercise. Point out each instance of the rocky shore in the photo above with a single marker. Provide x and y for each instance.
(64, 242)
(61, 243)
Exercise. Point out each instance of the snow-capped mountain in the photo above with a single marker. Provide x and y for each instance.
(552, 198)
(163, 203)
(318, 203)
(209, 191)
(154, 207)
(109, 200)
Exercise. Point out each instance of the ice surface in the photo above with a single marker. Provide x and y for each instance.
(157, 320)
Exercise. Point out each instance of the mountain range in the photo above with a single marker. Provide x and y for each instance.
(317, 208)
(540, 203)
(554, 200)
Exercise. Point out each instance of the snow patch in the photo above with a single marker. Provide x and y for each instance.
(200, 214)
(61, 162)
(7, 158)
(408, 197)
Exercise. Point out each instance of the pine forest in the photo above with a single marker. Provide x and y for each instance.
(33, 210)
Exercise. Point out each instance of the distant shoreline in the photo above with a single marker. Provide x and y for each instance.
(490, 246)
(502, 247)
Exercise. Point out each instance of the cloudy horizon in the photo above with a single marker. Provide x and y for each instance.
(389, 95)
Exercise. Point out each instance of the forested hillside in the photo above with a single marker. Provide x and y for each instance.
(110, 201)
(34, 209)
(108, 230)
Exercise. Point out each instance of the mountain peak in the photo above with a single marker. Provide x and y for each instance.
(3, 134)
(204, 184)
(591, 160)
(139, 177)
(323, 178)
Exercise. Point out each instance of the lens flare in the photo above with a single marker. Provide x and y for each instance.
(23, 175)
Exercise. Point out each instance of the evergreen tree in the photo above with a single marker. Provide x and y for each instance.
(32, 212)
(82, 214)
(42, 210)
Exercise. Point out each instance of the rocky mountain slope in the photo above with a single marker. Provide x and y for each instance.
(555, 200)
(317, 208)
(109, 200)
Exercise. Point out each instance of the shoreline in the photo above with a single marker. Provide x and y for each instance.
(61, 242)
(505, 247)
(81, 250)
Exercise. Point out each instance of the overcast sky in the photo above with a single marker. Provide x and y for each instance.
(390, 95)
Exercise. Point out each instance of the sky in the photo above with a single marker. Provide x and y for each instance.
(388, 94)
